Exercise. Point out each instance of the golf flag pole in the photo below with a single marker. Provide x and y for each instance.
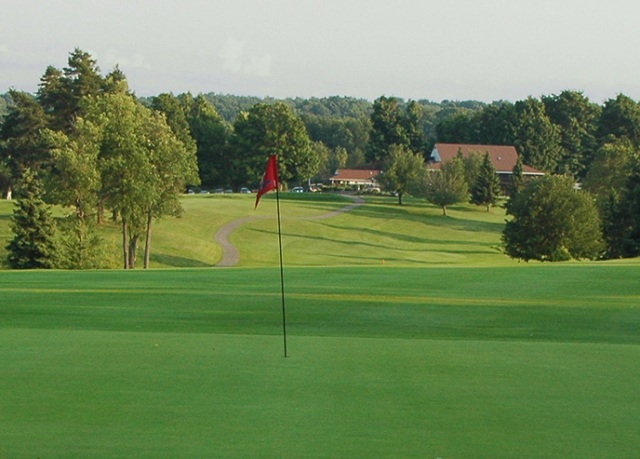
(270, 181)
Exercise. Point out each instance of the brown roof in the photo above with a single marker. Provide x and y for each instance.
(503, 157)
(359, 175)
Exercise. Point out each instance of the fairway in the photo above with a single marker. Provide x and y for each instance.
(525, 361)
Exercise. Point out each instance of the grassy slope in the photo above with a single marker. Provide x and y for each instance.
(380, 232)
(449, 349)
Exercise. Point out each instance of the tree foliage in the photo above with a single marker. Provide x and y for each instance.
(577, 119)
(517, 178)
(444, 187)
(486, 189)
(61, 92)
(610, 169)
(620, 118)
(272, 130)
(211, 134)
(34, 242)
(22, 144)
(142, 166)
(537, 139)
(391, 125)
(621, 216)
(551, 221)
(402, 168)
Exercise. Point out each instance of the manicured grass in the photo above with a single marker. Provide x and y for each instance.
(381, 232)
(409, 335)
(523, 361)
(412, 235)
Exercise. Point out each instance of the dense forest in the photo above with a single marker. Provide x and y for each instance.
(86, 141)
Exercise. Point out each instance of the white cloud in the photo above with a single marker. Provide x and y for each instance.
(259, 66)
(231, 54)
(136, 61)
(235, 60)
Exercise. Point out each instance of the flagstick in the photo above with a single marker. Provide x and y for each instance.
(284, 319)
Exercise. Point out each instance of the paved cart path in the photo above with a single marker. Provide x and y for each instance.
(231, 254)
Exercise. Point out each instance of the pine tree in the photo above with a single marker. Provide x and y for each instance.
(517, 178)
(486, 189)
(33, 246)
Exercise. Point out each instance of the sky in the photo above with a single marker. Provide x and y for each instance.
(483, 50)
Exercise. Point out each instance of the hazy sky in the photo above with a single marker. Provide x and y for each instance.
(415, 49)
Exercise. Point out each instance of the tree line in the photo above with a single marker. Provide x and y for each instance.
(86, 142)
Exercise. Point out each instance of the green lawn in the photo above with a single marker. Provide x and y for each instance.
(410, 335)
(531, 360)
(413, 235)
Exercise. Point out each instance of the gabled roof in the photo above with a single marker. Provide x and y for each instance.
(360, 175)
(503, 157)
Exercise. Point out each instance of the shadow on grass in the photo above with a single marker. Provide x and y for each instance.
(393, 236)
(396, 236)
(432, 216)
(178, 262)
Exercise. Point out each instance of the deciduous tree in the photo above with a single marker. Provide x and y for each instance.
(551, 221)
(620, 118)
(577, 119)
(537, 138)
(401, 169)
(444, 187)
(272, 129)
(211, 134)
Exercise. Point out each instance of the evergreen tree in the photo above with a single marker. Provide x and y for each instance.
(517, 178)
(81, 247)
(22, 145)
(486, 189)
(33, 245)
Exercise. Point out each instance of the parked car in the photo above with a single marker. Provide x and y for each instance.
(245, 190)
(297, 189)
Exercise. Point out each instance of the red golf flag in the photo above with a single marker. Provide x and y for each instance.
(270, 178)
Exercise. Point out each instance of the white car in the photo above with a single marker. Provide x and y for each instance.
(297, 189)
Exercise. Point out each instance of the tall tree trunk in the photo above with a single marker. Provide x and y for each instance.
(100, 211)
(125, 236)
(147, 242)
(133, 248)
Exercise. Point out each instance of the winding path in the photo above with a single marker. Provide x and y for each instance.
(231, 254)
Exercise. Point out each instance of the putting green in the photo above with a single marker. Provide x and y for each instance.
(127, 394)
